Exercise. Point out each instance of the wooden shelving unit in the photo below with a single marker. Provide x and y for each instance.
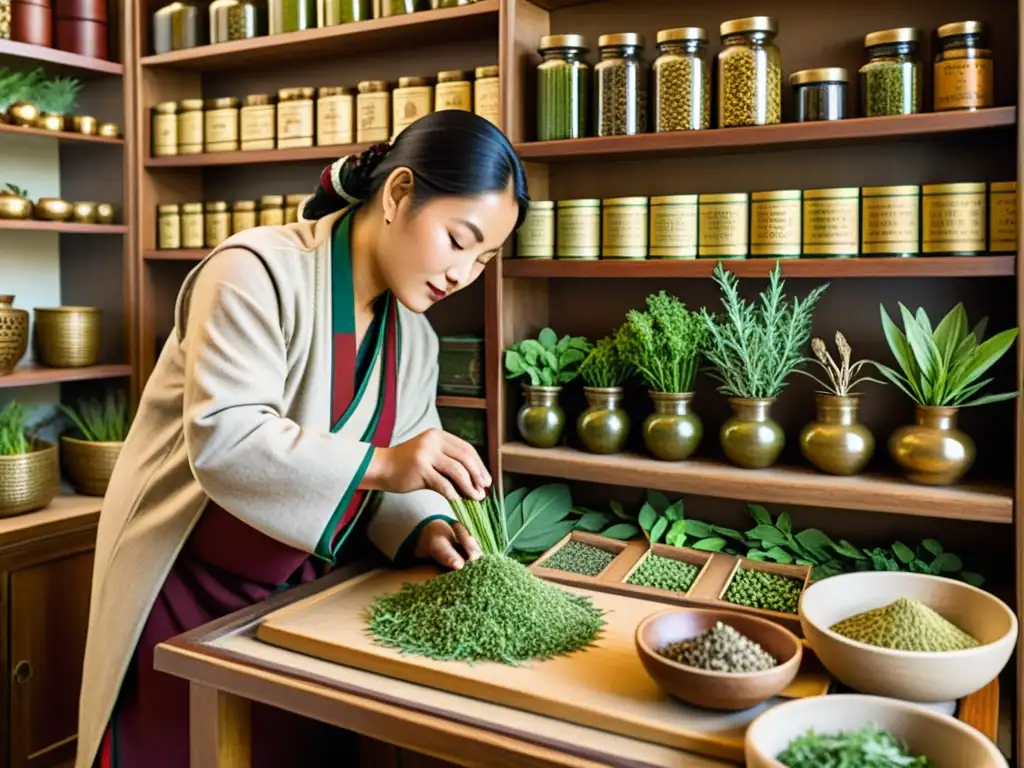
(70, 136)
(33, 375)
(69, 227)
(57, 60)
(184, 254)
(326, 154)
(456, 401)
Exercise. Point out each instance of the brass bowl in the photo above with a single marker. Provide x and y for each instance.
(50, 122)
(53, 209)
(105, 213)
(84, 213)
(15, 207)
(29, 481)
(13, 334)
(85, 125)
(109, 130)
(67, 337)
(22, 113)
(89, 465)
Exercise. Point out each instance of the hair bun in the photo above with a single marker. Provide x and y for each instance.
(356, 170)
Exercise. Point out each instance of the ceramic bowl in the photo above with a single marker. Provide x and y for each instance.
(717, 690)
(909, 675)
(53, 209)
(947, 742)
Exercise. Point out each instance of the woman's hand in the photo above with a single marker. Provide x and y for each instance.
(441, 541)
(433, 459)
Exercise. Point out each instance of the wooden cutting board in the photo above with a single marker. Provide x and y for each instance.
(604, 686)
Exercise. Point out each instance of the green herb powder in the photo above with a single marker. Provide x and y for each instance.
(757, 589)
(905, 625)
(721, 649)
(870, 747)
(664, 573)
(580, 558)
(493, 609)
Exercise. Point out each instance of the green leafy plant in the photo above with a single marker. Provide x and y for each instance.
(842, 376)
(100, 421)
(58, 96)
(14, 189)
(665, 522)
(754, 346)
(19, 86)
(15, 439)
(548, 361)
(944, 366)
(485, 521)
(605, 366)
(663, 344)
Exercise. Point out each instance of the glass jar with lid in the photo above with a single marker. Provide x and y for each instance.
(454, 90)
(272, 210)
(963, 68)
(373, 111)
(890, 81)
(749, 73)
(344, 11)
(190, 127)
(402, 7)
(234, 20)
(682, 82)
(411, 100)
(487, 94)
(563, 88)
(621, 85)
(291, 15)
(819, 94)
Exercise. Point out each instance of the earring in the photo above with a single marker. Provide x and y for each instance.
(387, 221)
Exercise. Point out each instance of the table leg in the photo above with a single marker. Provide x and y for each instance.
(219, 729)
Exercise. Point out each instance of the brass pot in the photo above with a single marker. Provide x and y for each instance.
(84, 213)
(673, 431)
(932, 451)
(13, 334)
(109, 130)
(750, 438)
(836, 443)
(105, 213)
(22, 113)
(603, 426)
(89, 465)
(85, 125)
(67, 337)
(15, 207)
(49, 122)
(541, 420)
(29, 481)
(53, 209)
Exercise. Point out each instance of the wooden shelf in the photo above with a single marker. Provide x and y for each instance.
(215, 159)
(184, 254)
(65, 513)
(779, 485)
(759, 138)
(950, 266)
(18, 130)
(58, 59)
(437, 27)
(457, 401)
(68, 227)
(33, 375)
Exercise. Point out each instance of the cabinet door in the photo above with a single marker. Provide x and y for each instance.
(49, 613)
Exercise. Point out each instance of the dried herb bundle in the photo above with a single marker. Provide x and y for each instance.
(842, 377)
(605, 366)
(663, 344)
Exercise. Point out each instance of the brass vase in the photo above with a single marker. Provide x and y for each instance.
(13, 334)
(932, 451)
(541, 420)
(673, 431)
(836, 443)
(67, 337)
(48, 121)
(89, 465)
(750, 437)
(604, 426)
(15, 207)
(29, 481)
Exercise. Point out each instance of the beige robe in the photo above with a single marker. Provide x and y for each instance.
(238, 409)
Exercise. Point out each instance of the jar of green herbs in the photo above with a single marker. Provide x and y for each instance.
(401, 7)
(621, 85)
(890, 82)
(291, 15)
(682, 82)
(749, 73)
(563, 88)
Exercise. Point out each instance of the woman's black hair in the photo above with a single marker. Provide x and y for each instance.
(450, 153)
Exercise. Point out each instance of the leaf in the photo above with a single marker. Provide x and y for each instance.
(903, 553)
(675, 511)
(779, 555)
(932, 546)
(784, 524)
(989, 399)
(658, 530)
(987, 354)
(699, 529)
(900, 349)
(947, 562)
(768, 533)
(895, 378)
(569, 357)
(729, 533)
(618, 511)
(812, 538)
(921, 344)
(514, 509)
(547, 377)
(761, 515)
(541, 539)
(713, 544)
(621, 531)
(648, 517)
(972, 578)
(950, 332)
(548, 338)
(544, 507)
(756, 554)
(514, 363)
(658, 500)
(592, 522)
(676, 536)
(847, 549)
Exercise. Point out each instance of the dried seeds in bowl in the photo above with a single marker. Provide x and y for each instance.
(720, 649)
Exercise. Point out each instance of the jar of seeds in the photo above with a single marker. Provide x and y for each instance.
(963, 68)
(165, 129)
(411, 100)
(890, 221)
(535, 239)
(193, 225)
(190, 127)
(775, 230)
(624, 228)
(819, 94)
(722, 226)
(890, 82)
(621, 85)
(218, 224)
(221, 125)
(563, 88)
(682, 82)
(578, 229)
(953, 219)
(1002, 206)
(272, 210)
(454, 90)
(831, 222)
(168, 231)
(258, 122)
(749, 73)
(243, 215)
(487, 94)
(373, 111)
(673, 227)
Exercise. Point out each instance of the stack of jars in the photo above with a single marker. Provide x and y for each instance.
(207, 225)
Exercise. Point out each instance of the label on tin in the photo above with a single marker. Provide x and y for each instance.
(831, 226)
(1003, 222)
(963, 83)
(218, 228)
(408, 105)
(165, 134)
(190, 131)
(535, 239)
(624, 232)
(295, 124)
(258, 126)
(890, 224)
(775, 227)
(168, 232)
(221, 128)
(953, 223)
(335, 120)
(455, 95)
(487, 99)
(192, 231)
(723, 230)
(674, 230)
(373, 114)
(579, 232)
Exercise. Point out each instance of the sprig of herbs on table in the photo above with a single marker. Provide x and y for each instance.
(547, 361)
(663, 344)
(605, 366)
(15, 438)
(869, 747)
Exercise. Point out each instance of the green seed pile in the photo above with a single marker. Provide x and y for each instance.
(563, 106)
(493, 609)
(664, 573)
(890, 87)
(577, 557)
(749, 87)
(621, 98)
(905, 625)
(757, 589)
(721, 649)
(682, 93)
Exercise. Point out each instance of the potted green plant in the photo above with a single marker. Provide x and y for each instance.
(835, 442)
(941, 369)
(29, 468)
(56, 99)
(18, 91)
(663, 345)
(604, 425)
(753, 348)
(90, 452)
(549, 363)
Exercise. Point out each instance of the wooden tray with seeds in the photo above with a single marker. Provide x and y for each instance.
(707, 591)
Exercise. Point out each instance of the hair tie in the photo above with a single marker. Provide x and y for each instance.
(334, 176)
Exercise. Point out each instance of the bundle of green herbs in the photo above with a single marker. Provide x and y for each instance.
(842, 377)
(605, 366)
(869, 747)
(754, 346)
(15, 439)
(547, 361)
(100, 421)
(663, 344)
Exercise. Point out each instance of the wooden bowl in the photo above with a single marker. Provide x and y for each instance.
(947, 742)
(53, 209)
(908, 675)
(717, 690)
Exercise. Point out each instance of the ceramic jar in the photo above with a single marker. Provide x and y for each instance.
(13, 334)
(932, 451)
(604, 425)
(835, 442)
(672, 432)
(750, 438)
(541, 420)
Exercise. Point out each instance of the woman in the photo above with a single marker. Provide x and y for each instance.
(291, 415)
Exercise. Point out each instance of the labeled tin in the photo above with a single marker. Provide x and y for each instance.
(454, 90)
(291, 207)
(373, 111)
(953, 219)
(624, 228)
(832, 222)
(487, 94)
(775, 229)
(673, 227)
(295, 124)
(335, 116)
(578, 229)
(221, 125)
(535, 239)
(243, 215)
(165, 129)
(168, 232)
(1002, 218)
(411, 100)
(193, 225)
(963, 76)
(258, 122)
(190, 127)
(218, 223)
(272, 210)
(723, 226)
(890, 221)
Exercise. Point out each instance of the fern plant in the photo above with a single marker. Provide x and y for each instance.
(19, 86)
(58, 96)
(100, 421)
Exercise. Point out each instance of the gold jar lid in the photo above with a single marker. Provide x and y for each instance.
(543, 205)
(226, 102)
(490, 70)
(820, 75)
(166, 108)
(296, 94)
(962, 188)
(1003, 186)
(682, 33)
(749, 24)
(216, 206)
(272, 201)
(553, 42)
(414, 82)
(373, 86)
(240, 206)
(191, 207)
(334, 90)
(259, 100)
(955, 28)
(674, 200)
(293, 200)
(776, 194)
(831, 194)
(620, 38)
(168, 209)
(890, 36)
(454, 76)
(616, 201)
(901, 190)
(587, 202)
(191, 105)
(725, 197)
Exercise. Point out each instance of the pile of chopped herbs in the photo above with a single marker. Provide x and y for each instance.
(870, 747)
(492, 609)
(664, 573)
(722, 648)
(577, 557)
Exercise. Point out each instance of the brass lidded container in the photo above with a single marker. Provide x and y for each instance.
(673, 227)
(168, 229)
(218, 223)
(193, 226)
(831, 222)
(258, 122)
(191, 130)
(578, 229)
(177, 26)
(890, 221)
(67, 337)
(487, 94)
(221, 124)
(373, 111)
(243, 215)
(624, 228)
(335, 116)
(272, 210)
(296, 126)
(454, 90)
(535, 239)
(165, 129)
(291, 206)
(722, 226)
(953, 219)
(411, 100)
(963, 75)
(775, 224)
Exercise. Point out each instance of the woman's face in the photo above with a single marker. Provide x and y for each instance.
(429, 252)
